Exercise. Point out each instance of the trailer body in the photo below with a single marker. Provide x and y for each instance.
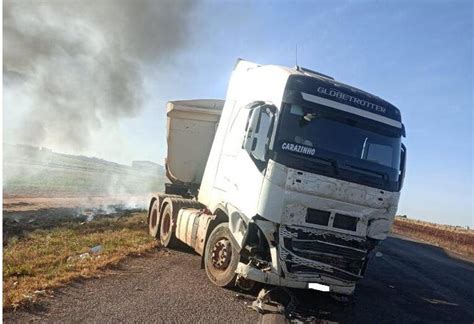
(191, 126)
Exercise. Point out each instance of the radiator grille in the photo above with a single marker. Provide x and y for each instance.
(313, 252)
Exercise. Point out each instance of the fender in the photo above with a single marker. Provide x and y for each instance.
(221, 213)
(238, 225)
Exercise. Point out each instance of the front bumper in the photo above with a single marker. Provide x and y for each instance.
(249, 272)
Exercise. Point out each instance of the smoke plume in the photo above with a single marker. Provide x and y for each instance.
(81, 64)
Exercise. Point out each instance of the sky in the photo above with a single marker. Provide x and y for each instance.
(418, 55)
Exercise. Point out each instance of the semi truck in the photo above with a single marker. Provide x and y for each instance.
(291, 181)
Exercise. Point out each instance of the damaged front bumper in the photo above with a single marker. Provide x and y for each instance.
(250, 272)
(308, 255)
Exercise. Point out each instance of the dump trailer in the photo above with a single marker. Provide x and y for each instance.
(291, 181)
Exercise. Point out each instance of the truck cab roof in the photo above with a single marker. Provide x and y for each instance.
(308, 81)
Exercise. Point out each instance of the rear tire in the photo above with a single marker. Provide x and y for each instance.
(167, 236)
(154, 220)
(220, 257)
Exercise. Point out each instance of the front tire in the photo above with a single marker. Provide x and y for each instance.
(220, 257)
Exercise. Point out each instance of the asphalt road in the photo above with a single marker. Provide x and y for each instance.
(410, 283)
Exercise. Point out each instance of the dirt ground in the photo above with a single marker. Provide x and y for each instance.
(164, 286)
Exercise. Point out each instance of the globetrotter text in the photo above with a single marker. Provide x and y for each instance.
(344, 96)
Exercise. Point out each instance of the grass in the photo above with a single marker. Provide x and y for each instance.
(456, 239)
(46, 259)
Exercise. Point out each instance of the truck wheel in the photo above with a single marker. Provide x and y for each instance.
(154, 220)
(220, 257)
(167, 237)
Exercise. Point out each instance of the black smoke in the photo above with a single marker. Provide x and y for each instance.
(82, 63)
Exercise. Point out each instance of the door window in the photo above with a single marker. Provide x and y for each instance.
(258, 132)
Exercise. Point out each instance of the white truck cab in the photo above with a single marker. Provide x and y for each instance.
(292, 181)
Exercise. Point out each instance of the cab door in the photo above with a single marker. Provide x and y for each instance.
(245, 156)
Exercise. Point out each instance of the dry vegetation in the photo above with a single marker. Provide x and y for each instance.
(456, 239)
(45, 259)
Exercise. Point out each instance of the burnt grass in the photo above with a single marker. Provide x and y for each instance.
(18, 224)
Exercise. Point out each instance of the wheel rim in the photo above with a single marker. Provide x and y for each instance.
(221, 254)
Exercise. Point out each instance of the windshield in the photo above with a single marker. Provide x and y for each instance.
(344, 141)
